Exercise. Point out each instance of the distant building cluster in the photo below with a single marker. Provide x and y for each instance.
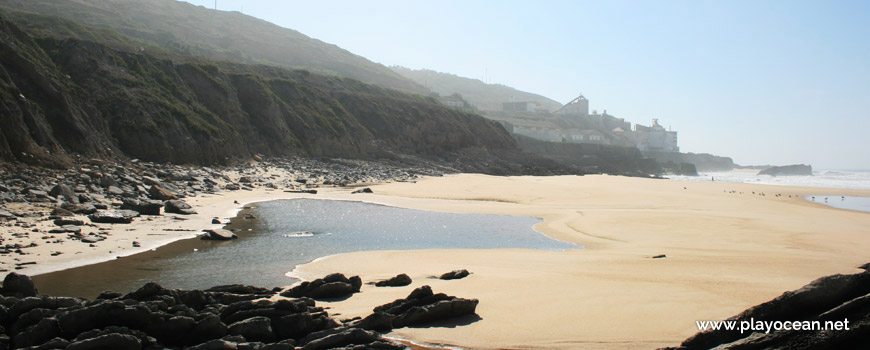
(573, 123)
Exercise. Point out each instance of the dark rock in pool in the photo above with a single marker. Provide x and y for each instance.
(397, 281)
(364, 190)
(112, 217)
(219, 234)
(19, 286)
(421, 307)
(177, 206)
(330, 287)
(455, 275)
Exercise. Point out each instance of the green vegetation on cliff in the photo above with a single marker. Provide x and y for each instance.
(192, 30)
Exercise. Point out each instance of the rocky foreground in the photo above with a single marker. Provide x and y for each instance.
(835, 299)
(222, 317)
(86, 203)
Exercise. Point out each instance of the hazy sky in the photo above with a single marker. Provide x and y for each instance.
(764, 82)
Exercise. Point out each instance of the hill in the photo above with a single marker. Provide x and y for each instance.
(197, 31)
(61, 96)
(486, 97)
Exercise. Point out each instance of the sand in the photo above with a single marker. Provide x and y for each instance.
(725, 252)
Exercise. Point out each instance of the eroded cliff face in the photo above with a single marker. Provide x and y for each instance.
(60, 96)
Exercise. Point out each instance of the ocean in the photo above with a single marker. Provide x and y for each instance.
(850, 179)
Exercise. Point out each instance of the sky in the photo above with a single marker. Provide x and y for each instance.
(763, 82)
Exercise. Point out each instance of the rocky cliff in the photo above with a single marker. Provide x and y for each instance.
(593, 158)
(62, 95)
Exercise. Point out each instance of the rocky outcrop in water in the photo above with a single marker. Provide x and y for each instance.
(833, 299)
(788, 170)
(223, 317)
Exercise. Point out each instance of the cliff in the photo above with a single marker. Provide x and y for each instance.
(190, 30)
(593, 158)
(702, 161)
(62, 96)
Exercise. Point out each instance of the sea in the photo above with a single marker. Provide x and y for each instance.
(858, 179)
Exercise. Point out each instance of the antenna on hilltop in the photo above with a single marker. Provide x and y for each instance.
(215, 4)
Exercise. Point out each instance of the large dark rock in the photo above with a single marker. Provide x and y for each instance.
(79, 208)
(143, 206)
(344, 338)
(19, 286)
(397, 281)
(219, 234)
(833, 298)
(455, 275)
(422, 306)
(65, 192)
(159, 193)
(788, 170)
(254, 329)
(112, 341)
(112, 217)
(177, 206)
(330, 287)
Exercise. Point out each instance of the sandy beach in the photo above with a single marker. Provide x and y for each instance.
(725, 252)
(727, 249)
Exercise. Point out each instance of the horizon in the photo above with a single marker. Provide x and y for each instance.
(763, 83)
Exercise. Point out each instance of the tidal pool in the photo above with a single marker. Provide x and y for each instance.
(286, 233)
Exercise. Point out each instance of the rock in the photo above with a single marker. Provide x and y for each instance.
(64, 191)
(160, 193)
(108, 181)
(364, 190)
(660, 256)
(19, 286)
(209, 327)
(378, 321)
(788, 170)
(216, 221)
(177, 206)
(68, 221)
(143, 206)
(397, 281)
(422, 306)
(342, 339)
(114, 191)
(80, 208)
(254, 329)
(6, 214)
(219, 234)
(112, 341)
(330, 287)
(60, 212)
(454, 275)
(111, 217)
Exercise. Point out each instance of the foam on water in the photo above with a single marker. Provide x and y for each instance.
(854, 179)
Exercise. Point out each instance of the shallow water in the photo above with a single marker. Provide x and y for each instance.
(855, 179)
(843, 202)
(287, 233)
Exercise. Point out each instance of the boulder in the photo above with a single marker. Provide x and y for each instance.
(339, 340)
(143, 206)
(112, 217)
(69, 221)
(159, 193)
(60, 212)
(79, 208)
(332, 286)
(254, 329)
(364, 190)
(64, 191)
(455, 275)
(177, 206)
(423, 306)
(397, 281)
(19, 286)
(219, 234)
(113, 341)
